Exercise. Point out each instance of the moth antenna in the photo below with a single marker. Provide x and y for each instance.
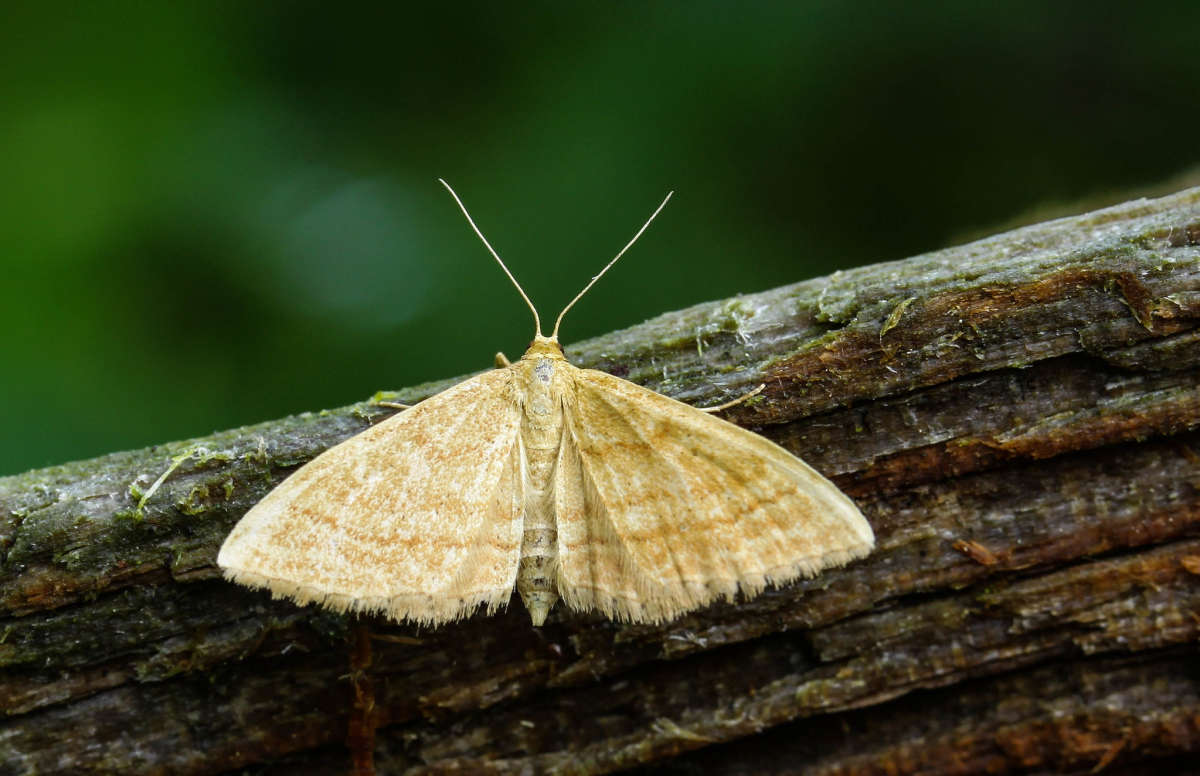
(558, 321)
(537, 322)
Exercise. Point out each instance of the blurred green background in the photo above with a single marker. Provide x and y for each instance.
(219, 213)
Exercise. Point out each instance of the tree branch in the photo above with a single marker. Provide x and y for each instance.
(1018, 419)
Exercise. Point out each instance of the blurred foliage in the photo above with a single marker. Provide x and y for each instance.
(218, 213)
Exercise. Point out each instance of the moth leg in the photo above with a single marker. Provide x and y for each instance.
(379, 401)
(502, 361)
(734, 402)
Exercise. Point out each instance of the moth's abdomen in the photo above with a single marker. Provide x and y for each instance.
(539, 562)
(539, 545)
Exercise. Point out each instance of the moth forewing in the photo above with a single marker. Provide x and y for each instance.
(418, 517)
(676, 508)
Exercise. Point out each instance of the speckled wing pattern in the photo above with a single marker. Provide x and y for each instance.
(663, 508)
(419, 517)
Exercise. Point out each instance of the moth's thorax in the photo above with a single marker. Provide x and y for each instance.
(543, 378)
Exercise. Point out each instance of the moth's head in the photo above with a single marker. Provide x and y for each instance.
(545, 347)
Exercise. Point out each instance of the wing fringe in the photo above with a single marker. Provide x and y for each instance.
(672, 599)
(418, 608)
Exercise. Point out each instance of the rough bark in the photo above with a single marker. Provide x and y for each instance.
(1019, 419)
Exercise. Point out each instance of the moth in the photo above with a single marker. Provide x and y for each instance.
(564, 483)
